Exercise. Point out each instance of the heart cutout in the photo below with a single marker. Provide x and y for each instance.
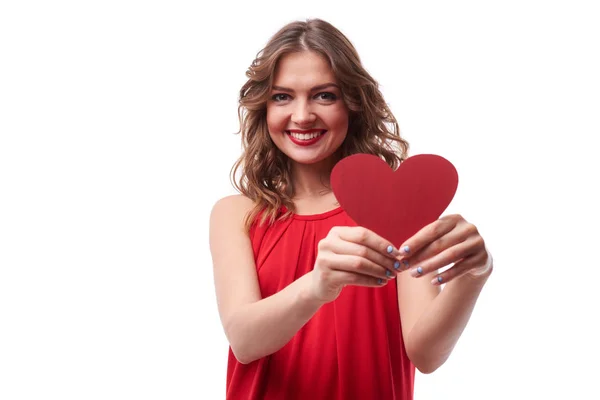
(394, 204)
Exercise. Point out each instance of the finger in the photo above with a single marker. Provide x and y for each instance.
(458, 269)
(446, 257)
(360, 265)
(343, 247)
(366, 237)
(451, 238)
(426, 235)
(356, 279)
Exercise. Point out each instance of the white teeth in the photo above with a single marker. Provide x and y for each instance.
(305, 136)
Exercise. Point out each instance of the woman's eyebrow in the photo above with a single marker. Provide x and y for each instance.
(319, 87)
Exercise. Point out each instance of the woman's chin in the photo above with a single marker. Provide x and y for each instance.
(312, 160)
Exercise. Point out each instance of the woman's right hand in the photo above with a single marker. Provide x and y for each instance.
(352, 256)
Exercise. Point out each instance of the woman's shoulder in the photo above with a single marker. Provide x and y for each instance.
(232, 206)
(234, 202)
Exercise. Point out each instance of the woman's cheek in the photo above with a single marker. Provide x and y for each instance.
(275, 120)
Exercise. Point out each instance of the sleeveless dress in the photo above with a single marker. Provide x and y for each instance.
(352, 348)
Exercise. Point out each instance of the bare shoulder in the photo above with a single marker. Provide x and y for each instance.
(230, 211)
(236, 204)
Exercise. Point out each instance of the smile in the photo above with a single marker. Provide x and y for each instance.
(306, 137)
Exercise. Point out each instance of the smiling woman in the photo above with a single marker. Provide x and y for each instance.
(309, 76)
(307, 123)
(304, 296)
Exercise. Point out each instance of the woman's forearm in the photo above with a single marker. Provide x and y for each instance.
(261, 328)
(435, 334)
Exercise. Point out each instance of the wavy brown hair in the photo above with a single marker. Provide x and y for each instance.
(372, 128)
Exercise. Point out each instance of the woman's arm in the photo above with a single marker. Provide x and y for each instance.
(436, 322)
(433, 321)
(255, 327)
(258, 327)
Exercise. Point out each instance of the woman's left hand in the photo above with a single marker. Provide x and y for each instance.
(449, 240)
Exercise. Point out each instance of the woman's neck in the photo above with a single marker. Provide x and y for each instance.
(312, 189)
(312, 180)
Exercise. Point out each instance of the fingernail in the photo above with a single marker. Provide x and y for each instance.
(379, 281)
(396, 264)
(388, 273)
(405, 250)
(390, 249)
(406, 264)
(417, 271)
(436, 281)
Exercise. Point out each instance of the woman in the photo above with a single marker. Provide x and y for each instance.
(314, 306)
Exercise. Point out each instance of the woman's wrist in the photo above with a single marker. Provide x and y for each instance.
(307, 294)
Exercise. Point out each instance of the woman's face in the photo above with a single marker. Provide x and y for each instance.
(306, 116)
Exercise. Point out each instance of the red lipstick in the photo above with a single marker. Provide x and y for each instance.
(307, 142)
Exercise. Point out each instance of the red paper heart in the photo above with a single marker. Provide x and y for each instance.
(394, 204)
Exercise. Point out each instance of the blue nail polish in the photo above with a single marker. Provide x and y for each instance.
(419, 270)
(440, 279)
(406, 249)
(388, 273)
(390, 249)
(397, 265)
(405, 263)
(380, 281)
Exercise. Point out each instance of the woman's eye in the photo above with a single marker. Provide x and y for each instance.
(326, 96)
(279, 97)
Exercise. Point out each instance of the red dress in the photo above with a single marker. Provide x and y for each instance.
(352, 348)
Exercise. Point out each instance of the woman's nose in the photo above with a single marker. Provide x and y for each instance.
(302, 114)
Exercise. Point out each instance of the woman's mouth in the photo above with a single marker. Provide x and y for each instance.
(305, 137)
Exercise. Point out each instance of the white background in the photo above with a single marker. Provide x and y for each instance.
(117, 122)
